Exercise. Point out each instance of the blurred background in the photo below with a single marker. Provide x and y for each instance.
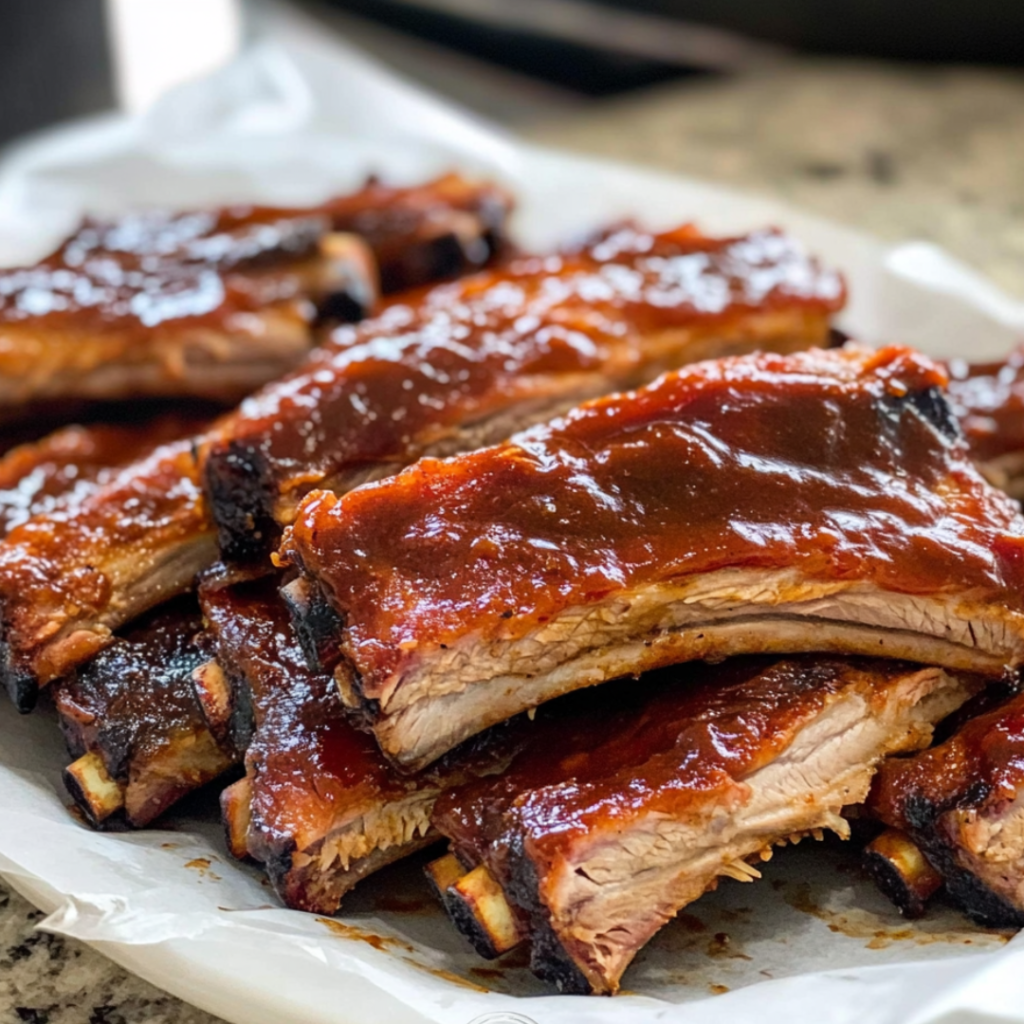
(905, 118)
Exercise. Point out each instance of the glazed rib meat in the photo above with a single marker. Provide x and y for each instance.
(988, 399)
(467, 363)
(822, 501)
(319, 807)
(445, 228)
(962, 804)
(39, 476)
(630, 802)
(209, 304)
(132, 722)
(70, 577)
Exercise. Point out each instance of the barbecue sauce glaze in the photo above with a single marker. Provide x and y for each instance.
(845, 465)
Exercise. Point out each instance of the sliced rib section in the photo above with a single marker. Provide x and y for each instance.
(70, 577)
(630, 802)
(132, 722)
(210, 304)
(442, 229)
(468, 363)
(319, 807)
(962, 803)
(822, 501)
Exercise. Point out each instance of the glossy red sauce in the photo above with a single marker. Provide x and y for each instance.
(664, 744)
(394, 385)
(63, 567)
(989, 402)
(982, 763)
(37, 478)
(841, 464)
(308, 766)
(146, 271)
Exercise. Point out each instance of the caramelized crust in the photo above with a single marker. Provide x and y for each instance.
(627, 803)
(444, 228)
(465, 364)
(988, 399)
(38, 477)
(134, 706)
(963, 803)
(210, 303)
(324, 808)
(69, 578)
(820, 501)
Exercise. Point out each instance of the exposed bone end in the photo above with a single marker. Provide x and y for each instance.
(93, 790)
(477, 906)
(236, 810)
(351, 283)
(901, 871)
(213, 691)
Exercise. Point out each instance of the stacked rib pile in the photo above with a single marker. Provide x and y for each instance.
(449, 576)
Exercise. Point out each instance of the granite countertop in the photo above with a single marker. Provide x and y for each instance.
(926, 153)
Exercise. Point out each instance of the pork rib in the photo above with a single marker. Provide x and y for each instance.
(37, 477)
(70, 577)
(205, 304)
(988, 399)
(132, 722)
(465, 364)
(319, 807)
(962, 803)
(442, 229)
(821, 501)
(629, 803)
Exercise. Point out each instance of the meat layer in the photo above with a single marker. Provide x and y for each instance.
(132, 722)
(70, 577)
(989, 401)
(38, 477)
(962, 802)
(628, 804)
(466, 364)
(822, 501)
(319, 806)
(210, 304)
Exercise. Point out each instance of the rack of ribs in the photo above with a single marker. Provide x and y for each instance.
(988, 399)
(214, 303)
(210, 304)
(72, 576)
(468, 363)
(627, 803)
(132, 722)
(958, 812)
(319, 806)
(821, 501)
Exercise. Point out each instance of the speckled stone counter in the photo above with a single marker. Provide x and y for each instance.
(936, 154)
(927, 153)
(48, 980)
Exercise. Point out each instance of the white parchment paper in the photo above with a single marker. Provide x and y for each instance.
(292, 121)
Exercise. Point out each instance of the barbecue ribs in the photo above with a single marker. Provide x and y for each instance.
(962, 804)
(629, 802)
(319, 807)
(466, 364)
(822, 501)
